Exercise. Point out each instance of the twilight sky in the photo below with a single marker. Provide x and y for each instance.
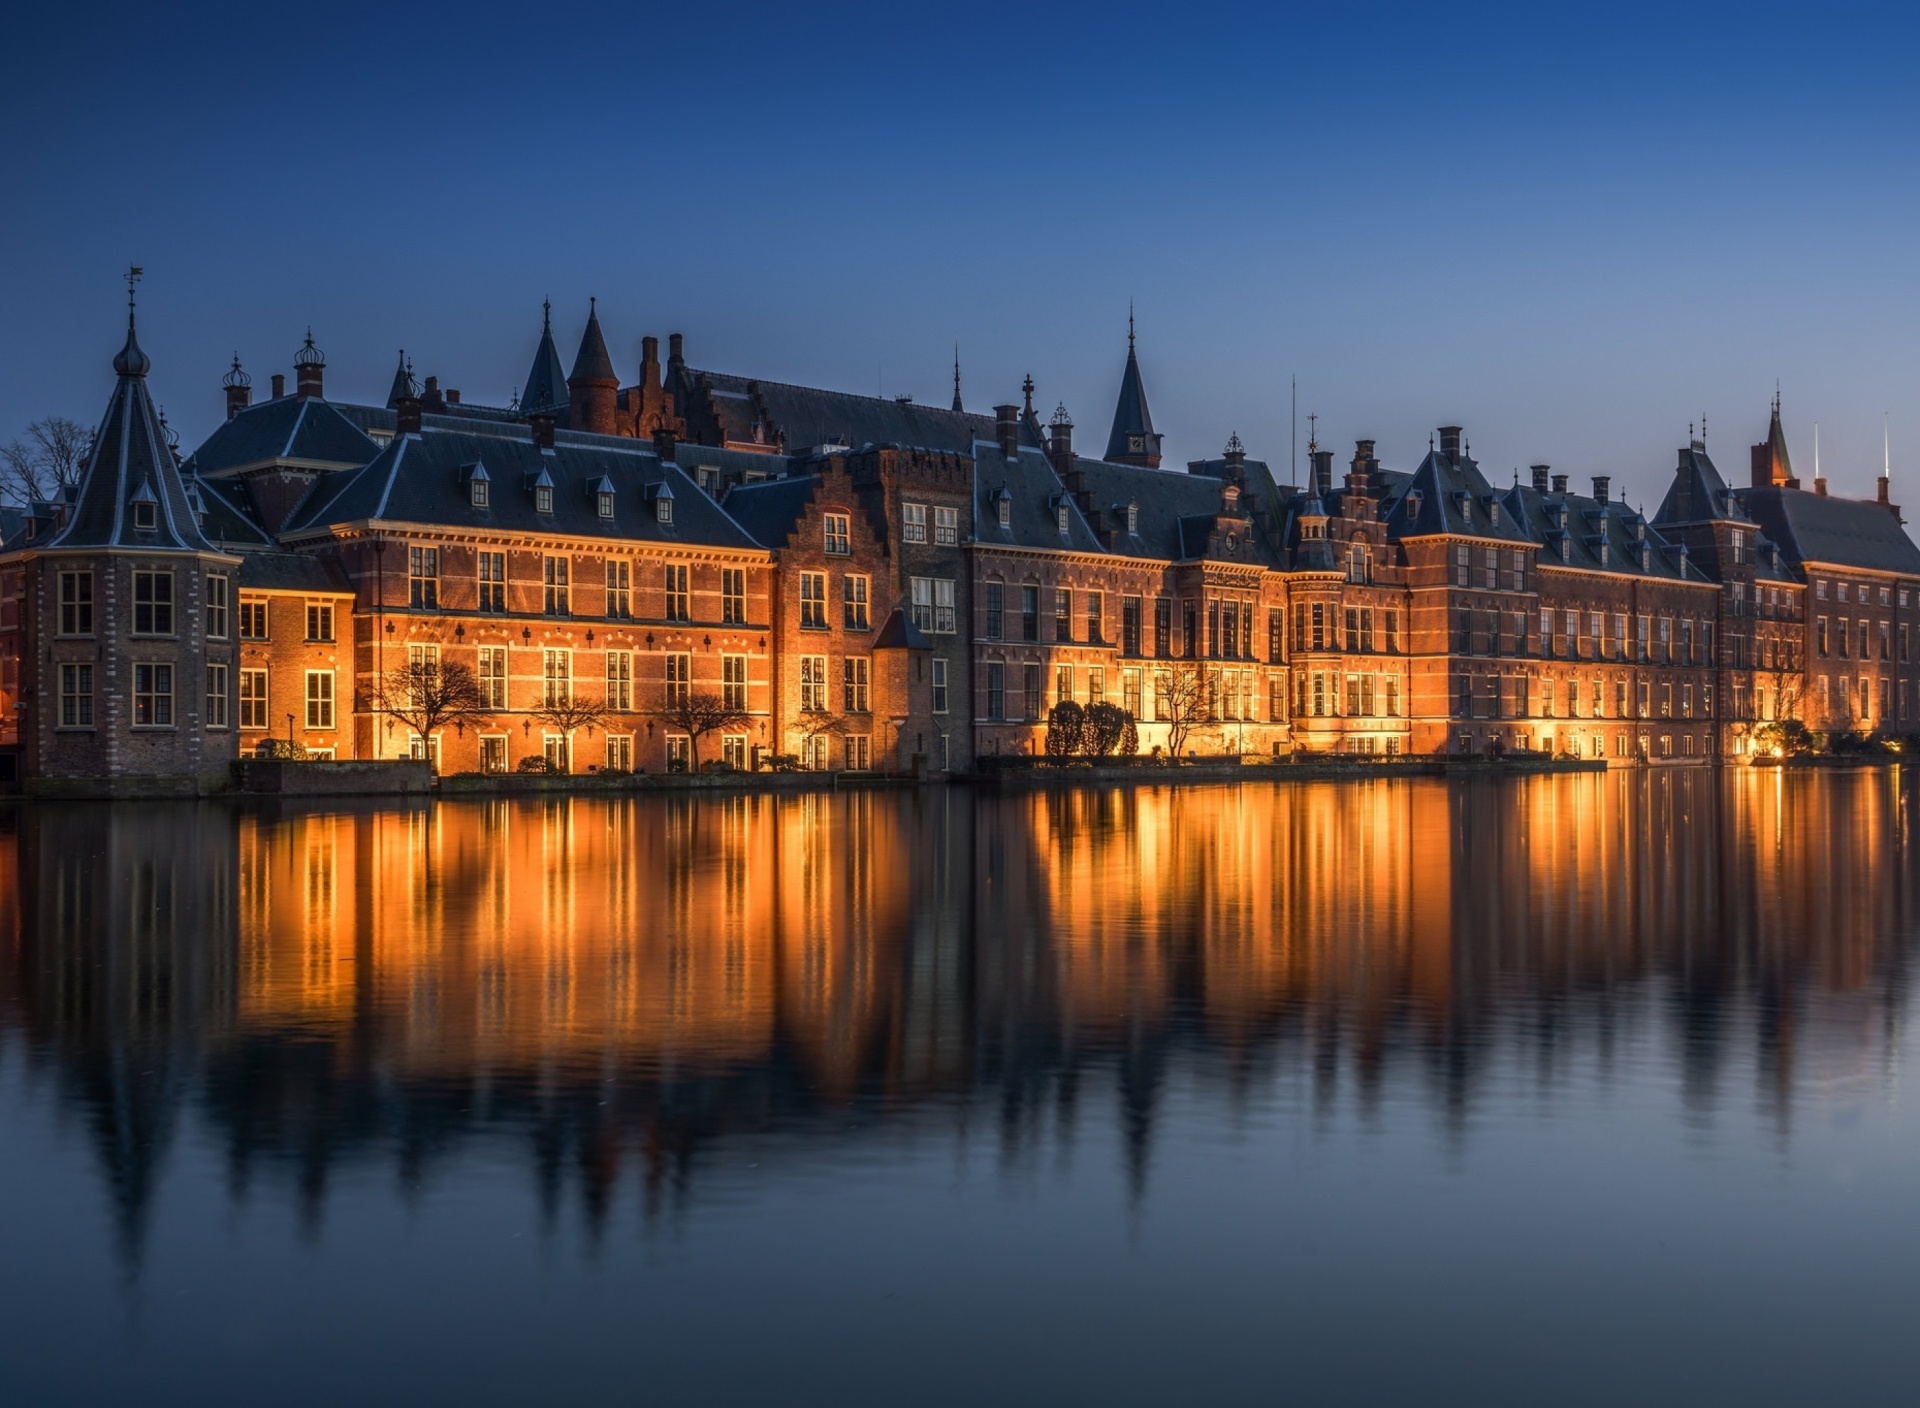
(1572, 229)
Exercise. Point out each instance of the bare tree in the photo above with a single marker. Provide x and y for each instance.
(48, 461)
(427, 694)
(568, 713)
(818, 723)
(1185, 703)
(698, 715)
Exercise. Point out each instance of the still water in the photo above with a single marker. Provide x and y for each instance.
(1584, 1089)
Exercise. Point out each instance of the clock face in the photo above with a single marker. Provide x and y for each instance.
(1136, 442)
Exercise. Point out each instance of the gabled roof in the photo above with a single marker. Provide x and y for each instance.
(131, 462)
(425, 478)
(898, 633)
(769, 510)
(591, 362)
(303, 429)
(230, 519)
(1841, 532)
(1698, 494)
(1453, 497)
(546, 388)
(1589, 524)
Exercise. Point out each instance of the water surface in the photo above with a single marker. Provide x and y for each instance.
(1570, 1090)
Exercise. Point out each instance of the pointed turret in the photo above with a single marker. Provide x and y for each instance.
(404, 386)
(1772, 467)
(593, 389)
(1133, 440)
(131, 492)
(546, 385)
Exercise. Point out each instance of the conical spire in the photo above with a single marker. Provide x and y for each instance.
(592, 362)
(1133, 440)
(1772, 465)
(546, 384)
(956, 378)
(404, 387)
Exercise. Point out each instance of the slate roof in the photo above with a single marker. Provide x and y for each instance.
(230, 519)
(1034, 496)
(1177, 509)
(899, 633)
(1454, 497)
(425, 478)
(1589, 523)
(277, 570)
(769, 510)
(302, 429)
(1698, 493)
(1130, 413)
(1826, 529)
(805, 417)
(591, 362)
(130, 461)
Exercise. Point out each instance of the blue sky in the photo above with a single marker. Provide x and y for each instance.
(1571, 229)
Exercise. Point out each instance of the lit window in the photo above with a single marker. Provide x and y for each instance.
(319, 699)
(319, 620)
(733, 681)
(152, 696)
(620, 679)
(679, 680)
(493, 675)
(619, 590)
(913, 523)
(253, 699)
(556, 677)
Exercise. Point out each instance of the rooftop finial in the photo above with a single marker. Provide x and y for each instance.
(1129, 325)
(131, 361)
(1234, 446)
(546, 315)
(236, 375)
(134, 274)
(309, 355)
(1886, 447)
(1026, 390)
(1703, 427)
(1313, 432)
(956, 378)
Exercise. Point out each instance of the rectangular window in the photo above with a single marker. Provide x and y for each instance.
(813, 601)
(1393, 632)
(216, 696)
(679, 752)
(319, 698)
(733, 751)
(493, 581)
(1820, 637)
(946, 526)
(319, 620)
(679, 679)
(423, 578)
(853, 683)
(217, 599)
(493, 675)
(1063, 614)
(996, 690)
(1463, 566)
(1162, 626)
(556, 676)
(152, 603)
(853, 595)
(1031, 698)
(1029, 613)
(1096, 628)
(813, 684)
(922, 593)
(939, 686)
(839, 538)
(556, 575)
(733, 595)
(253, 618)
(679, 599)
(1096, 686)
(619, 752)
(253, 699)
(733, 681)
(620, 680)
(152, 696)
(913, 523)
(1062, 683)
(859, 753)
(76, 696)
(619, 589)
(995, 609)
(76, 603)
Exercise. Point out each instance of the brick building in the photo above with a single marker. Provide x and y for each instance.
(880, 583)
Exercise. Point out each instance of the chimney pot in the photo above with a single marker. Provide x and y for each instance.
(673, 345)
(406, 413)
(542, 430)
(1450, 440)
(1600, 482)
(453, 398)
(1322, 468)
(279, 385)
(663, 443)
(1541, 473)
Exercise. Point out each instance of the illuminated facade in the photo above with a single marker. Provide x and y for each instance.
(876, 584)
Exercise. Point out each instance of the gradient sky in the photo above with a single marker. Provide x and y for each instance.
(1571, 229)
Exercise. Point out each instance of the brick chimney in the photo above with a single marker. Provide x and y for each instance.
(1559, 483)
(542, 425)
(239, 389)
(1450, 441)
(309, 365)
(406, 411)
(663, 442)
(1006, 429)
(1541, 477)
(430, 398)
(1321, 471)
(1600, 483)
(279, 385)
(1060, 442)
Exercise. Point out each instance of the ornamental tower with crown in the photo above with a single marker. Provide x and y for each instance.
(127, 621)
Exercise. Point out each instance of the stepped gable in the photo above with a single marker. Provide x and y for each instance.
(131, 463)
(427, 479)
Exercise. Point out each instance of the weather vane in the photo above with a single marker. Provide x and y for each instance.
(134, 275)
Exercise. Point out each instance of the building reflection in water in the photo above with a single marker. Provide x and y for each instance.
(622, 987)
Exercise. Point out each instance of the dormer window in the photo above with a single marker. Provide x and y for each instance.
(543, 498)
(1603, 553)
(146, 509)
(478, 485)
(603, 497)
(1004, 507)
(662, 505)
(1493, 512)
(605, 502)
(1061, 513)
(1133, 518)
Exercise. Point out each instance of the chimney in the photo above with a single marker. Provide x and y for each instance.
(674, 341)
(239, 388)
(1820, 485)
(279, 385)
(1600, 482)
(649, 361)
(1450, 441)
(1321, 471)
(1559, 483)
(1006, 429)
(430, 398)
(1883, 489)
(453, 398)
(542, 430)
(663, 440)
(1541, 477)
(308, 366)
(1363, 454)
(406, 412)
(1060, 442)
